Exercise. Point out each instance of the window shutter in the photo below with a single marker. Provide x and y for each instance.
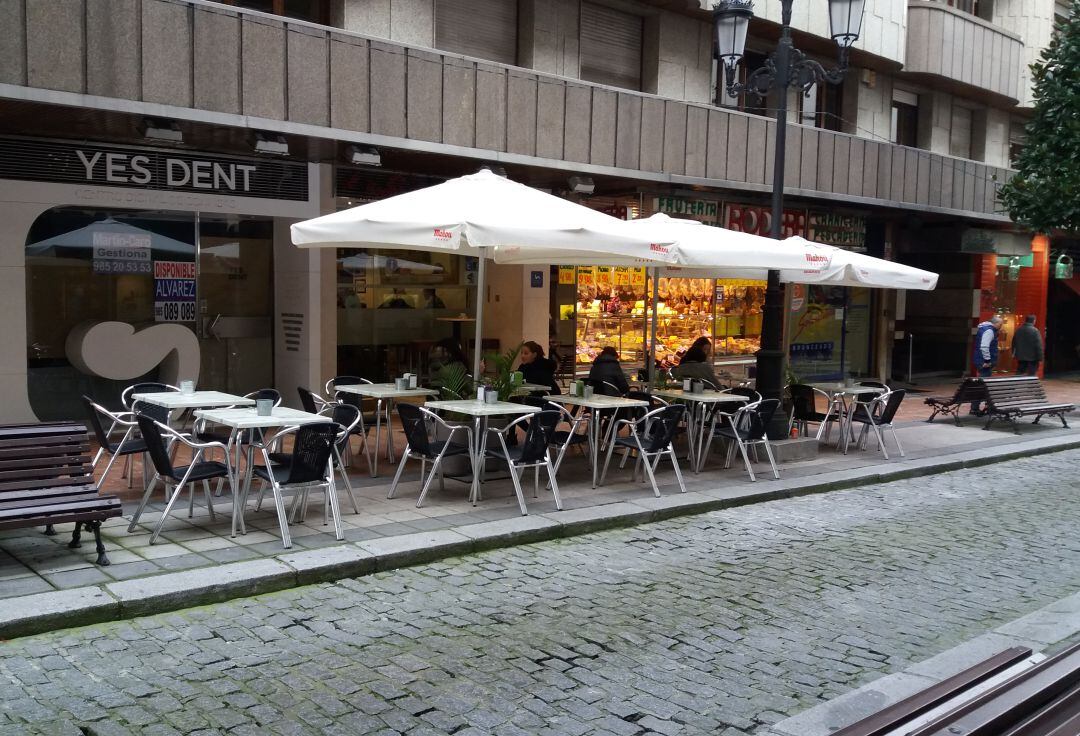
(486, 29)
(610, 46)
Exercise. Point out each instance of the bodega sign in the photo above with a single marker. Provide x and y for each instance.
(146, 168)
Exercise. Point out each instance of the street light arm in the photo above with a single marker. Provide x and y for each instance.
(802, 72)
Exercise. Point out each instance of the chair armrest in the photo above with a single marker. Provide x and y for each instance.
(520, 420)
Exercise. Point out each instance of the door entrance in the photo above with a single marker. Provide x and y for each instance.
(235, 303)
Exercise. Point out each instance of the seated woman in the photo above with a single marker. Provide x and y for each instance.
(607, 368)
(697, 363)
(536, 368)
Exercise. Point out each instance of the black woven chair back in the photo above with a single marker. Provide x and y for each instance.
(155, 446)
(416, 430)
(155, 412)
(307, 400)
(266, 393)
(803, 401)
(538, 436)
(744, 391)
(345, 381)
(892, 403)
(603, 387)
(147, 387)
(95, 423)
(347, 398)
(538, 401)
(312, 446)
(636, 412)
(756, 419)
(344, 415)
(662, 427)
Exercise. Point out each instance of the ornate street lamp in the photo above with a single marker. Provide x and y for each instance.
(785, 68)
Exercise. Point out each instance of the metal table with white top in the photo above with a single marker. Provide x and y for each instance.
(481, 412)
(247, 418)
(700, 403)
(598, 404)
(384, 394)
(840, 399)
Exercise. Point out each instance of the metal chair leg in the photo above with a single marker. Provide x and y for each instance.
(398, 474)
(551, 471)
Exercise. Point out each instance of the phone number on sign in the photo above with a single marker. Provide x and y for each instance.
(174, 311)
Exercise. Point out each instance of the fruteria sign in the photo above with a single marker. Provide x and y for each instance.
(705, 210)
(174, 291)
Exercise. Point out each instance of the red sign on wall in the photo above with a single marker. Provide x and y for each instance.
(748, 218)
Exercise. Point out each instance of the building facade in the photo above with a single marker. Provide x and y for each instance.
(154, 152)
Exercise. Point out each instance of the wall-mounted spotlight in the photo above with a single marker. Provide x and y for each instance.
(271, 143)
(364, 156)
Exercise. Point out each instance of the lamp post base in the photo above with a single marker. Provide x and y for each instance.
(770, 358)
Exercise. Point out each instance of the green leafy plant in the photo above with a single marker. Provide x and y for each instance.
(503, 380)
(1044, 195)
(453, 382)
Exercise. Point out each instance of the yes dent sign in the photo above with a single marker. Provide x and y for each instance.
(150, 168)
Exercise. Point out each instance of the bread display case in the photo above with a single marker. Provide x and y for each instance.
(611, 310)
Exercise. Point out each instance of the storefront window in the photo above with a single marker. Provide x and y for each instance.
(85, 266)
(829, 332)
(394, 305)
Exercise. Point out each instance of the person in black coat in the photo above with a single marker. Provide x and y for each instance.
(535, 368)
(607, 368)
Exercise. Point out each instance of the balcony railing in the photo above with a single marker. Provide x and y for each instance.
(200, 58)
(946, 42)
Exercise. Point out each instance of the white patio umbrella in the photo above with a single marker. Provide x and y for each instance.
(484, 215)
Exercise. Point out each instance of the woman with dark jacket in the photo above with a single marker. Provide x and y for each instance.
(697, 363)
(606, 367)
(535, 368)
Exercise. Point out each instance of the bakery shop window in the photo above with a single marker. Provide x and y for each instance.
(611, 309)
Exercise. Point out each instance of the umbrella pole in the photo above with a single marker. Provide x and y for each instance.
(652, 333)
(481, 277)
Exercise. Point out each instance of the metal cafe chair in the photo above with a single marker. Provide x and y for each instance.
(878, 415)
(310, 466)
(177, 478)
(532, 452)
(128, 445)
(564, 439)
(747, 428)
(804, 411)
(651, 436)
(420, 425)
(315, 404)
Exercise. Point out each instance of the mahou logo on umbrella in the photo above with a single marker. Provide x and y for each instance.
(441, 234)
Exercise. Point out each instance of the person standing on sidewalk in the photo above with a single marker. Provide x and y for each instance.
(986, 352)
(1027, 348)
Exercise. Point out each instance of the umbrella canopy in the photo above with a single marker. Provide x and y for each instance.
(483, 214)
(707, 252)
(487, 216)
(848, 268)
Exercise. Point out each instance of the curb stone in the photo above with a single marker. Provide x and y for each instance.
(42, 612)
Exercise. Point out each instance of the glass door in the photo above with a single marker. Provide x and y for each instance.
(235, 304)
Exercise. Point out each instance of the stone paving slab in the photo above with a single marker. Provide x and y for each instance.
(202, 573)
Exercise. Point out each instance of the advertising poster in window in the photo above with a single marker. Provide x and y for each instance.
(121, 252)
(174, 291)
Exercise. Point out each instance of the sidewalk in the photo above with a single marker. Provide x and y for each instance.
(45, 585)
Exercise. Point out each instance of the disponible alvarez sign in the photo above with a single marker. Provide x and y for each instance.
(144, 168)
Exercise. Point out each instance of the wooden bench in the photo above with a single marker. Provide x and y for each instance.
(1038, 700)
(46, 478)
(969, 390)
(1020, 396)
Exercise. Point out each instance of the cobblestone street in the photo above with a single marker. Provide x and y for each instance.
(720, 623)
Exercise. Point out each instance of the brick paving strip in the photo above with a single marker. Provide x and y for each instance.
(36, 613)
(724, 623)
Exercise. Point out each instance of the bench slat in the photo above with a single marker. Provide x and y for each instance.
(67, 517)
(99, 502)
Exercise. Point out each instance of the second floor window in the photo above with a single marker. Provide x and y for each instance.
(485, 29)
(822, 108)
(611, 46)
(905, 118)
(313, 11)
(746, 102)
